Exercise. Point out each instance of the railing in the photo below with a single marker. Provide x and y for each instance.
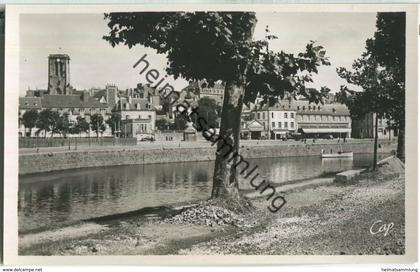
(26, 142)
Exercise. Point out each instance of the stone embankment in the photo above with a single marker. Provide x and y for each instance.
(52, 161)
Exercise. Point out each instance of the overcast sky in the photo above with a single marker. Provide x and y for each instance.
(95, 63)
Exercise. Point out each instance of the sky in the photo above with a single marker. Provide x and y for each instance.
(95, 63)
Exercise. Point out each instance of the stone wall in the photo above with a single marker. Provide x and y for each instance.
(46, 162)
(27, 142)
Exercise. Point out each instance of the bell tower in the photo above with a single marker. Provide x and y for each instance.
(59, 74)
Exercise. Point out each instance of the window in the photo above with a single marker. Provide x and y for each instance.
(292, 124)
(319, 107)
(272, 114)
(279, 124)
(285, 115)
(273, 124)
(258, 116)
(285, 124)
(292, 115)
(303, 108)
(298, 107)
(263, 115)
(139, 116)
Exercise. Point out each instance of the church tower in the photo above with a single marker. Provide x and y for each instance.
(59, 74)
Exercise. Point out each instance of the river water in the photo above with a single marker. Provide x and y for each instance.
(62, 197)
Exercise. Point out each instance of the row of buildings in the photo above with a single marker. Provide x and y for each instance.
(137, 107)
(140, 108)
(298, 117)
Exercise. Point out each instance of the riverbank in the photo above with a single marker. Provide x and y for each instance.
(320, 218)
(47, 160)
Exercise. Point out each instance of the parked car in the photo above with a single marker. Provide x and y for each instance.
(147, 138)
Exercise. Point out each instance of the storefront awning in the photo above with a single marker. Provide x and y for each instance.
(256, 129)
(326, 130)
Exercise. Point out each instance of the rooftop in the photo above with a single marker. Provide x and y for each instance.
(30, 102)
(70, 101)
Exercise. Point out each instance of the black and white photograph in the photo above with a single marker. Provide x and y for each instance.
(203, 132)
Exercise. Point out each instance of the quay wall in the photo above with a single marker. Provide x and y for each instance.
(46, 162)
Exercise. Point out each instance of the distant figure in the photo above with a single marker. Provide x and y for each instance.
(313, 140)
(331, 151)
(338, 139)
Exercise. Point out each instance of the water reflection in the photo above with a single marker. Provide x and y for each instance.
(65, 196)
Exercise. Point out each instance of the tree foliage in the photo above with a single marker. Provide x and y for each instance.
(209, 109)
(47, 121)
(180, 123)
(114, 121)
(374, 80)
(216, 46)
(80, 126)
(97, 123)
(388, 48)
(162, 124)
(63, 125)
(380, 72)
(29, 119)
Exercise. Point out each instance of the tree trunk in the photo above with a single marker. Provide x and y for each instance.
(401, 143)
(375, 147)
(225, 182)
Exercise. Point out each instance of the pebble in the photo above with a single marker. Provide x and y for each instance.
(208, 215)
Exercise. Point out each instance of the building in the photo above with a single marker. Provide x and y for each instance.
(299, 116)
(107, 96)
(252, 130)
(365, 128)
(260, 114)
(138, 117)
(202, 89)
(322, 121)
(73, 105)
(278, 121)
(59, 74)
(27, 104)
(63, 98)
(281, 121)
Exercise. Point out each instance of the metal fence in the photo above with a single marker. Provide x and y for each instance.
(26, 142)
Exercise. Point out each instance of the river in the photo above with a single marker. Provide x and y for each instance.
(62, 197)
